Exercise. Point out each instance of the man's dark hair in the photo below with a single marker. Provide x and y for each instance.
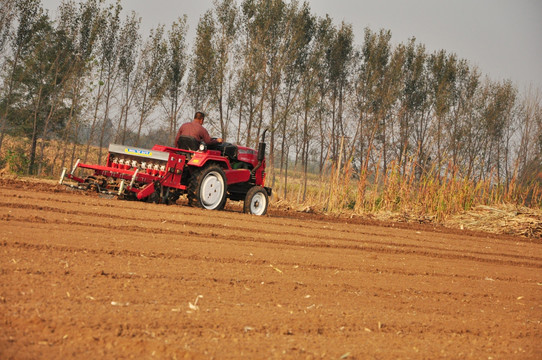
(199, 115)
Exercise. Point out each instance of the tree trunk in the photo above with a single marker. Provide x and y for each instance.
(4, 118)
(105, 118)
(95, 117)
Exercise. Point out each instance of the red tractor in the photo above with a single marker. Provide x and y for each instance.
(162, 174)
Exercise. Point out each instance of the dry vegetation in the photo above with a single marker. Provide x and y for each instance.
(52, 156)
(448, 200)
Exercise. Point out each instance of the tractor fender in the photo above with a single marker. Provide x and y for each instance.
(233, 176)
(202, 159)
(237, 176)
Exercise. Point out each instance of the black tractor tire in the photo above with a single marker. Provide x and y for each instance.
(256, 201)
(208, 188)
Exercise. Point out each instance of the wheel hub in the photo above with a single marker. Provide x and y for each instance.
(212, 190)
(256, 205)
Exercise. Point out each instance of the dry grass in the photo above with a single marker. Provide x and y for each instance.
(447, 199)
(50, 156)
(501, 219)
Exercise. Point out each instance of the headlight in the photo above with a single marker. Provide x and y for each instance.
(202, 147)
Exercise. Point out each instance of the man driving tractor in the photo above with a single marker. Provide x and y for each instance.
(196, 130)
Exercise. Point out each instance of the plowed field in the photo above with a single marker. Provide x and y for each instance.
(89, 277)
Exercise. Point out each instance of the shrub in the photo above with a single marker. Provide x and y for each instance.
(16, 160)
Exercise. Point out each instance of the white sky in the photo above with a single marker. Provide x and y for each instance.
(502, 37)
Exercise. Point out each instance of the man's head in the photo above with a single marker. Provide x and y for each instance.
(199, 117)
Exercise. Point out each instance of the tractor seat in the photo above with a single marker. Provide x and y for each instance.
(187, 143)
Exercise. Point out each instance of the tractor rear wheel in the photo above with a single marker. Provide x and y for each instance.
(256, 201)
(208, 188)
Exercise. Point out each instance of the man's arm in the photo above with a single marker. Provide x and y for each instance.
(205, 136)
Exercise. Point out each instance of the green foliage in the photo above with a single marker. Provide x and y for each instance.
(7, 16)
(202, 69)
(16, 160)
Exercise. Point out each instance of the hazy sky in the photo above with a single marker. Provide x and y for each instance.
(502, 37)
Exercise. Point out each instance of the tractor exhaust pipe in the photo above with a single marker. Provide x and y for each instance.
(261, 147)
(261, 153)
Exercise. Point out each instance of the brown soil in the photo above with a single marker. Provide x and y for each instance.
(84, 276)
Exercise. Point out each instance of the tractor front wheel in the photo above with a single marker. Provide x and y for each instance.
(256, 201)
(208, 187)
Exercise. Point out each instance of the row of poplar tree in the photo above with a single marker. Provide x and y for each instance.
(87, 76)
